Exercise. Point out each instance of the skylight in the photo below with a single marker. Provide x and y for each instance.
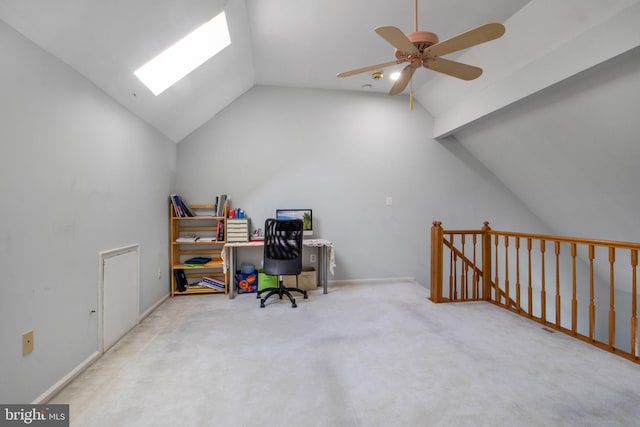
(185, 55)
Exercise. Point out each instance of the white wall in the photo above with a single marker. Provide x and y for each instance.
(570, 152)
(79, 175)
(342, 154)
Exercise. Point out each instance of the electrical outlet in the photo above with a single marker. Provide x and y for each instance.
(27, 343)
(312, 258)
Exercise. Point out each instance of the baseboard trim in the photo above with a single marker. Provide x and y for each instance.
(64, 381)
(54, 389)
(371, 281)
(152, 308)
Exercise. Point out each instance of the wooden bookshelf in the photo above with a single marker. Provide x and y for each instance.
(197, 236)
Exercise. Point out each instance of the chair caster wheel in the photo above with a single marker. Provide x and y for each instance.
(294, 305)
(261, 304)
(306, 296)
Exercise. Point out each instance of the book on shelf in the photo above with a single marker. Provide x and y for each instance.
(206, 239)
(213, 283)
(195, 239)
(198, 260)
(177, 208)
(220, 202)
(220, 230)
(180, 207)
(185, 207)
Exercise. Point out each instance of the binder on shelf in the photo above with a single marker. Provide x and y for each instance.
(181, 280)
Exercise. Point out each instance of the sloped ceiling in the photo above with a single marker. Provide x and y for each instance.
(305, 43)
(274, 42)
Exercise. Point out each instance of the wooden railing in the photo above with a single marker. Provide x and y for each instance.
(585, 288)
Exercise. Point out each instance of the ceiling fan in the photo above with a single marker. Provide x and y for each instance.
(423, 49)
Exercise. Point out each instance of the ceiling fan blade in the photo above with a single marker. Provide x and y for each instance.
(365, 69)
(453, 68)
(482, 34)
(403, 81)
(397, 38)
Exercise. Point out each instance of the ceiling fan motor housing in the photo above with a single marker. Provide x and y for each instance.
(421, 40)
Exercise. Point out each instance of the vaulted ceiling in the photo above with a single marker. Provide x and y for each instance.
(305, 43)
(274, 42)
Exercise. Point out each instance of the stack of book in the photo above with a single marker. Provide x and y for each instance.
(213, 283)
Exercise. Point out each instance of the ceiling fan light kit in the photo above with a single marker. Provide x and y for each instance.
(424, 49)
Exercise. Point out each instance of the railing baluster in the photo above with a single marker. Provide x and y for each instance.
(518, 273)
(475, 273)
(592, 305)
(557, 251)
(506, 272)
(634, 313)
(451, 270)
(530, 288)
(464, 272)
(612, 310)
(497, 280)
(543, 292)
(574, 300)
(455, 277)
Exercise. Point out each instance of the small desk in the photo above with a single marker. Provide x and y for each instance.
(325, 259)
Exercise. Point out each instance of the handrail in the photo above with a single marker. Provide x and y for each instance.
(566, 239)
(535, 275)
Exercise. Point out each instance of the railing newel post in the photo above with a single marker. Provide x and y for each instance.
(437, 243)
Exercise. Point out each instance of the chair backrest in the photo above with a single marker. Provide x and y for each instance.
(283, 246)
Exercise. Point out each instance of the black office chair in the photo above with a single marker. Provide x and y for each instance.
(282, 256)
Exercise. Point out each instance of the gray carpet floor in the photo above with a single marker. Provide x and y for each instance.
(365, 354)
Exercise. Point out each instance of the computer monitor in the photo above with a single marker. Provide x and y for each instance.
(305, 215)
